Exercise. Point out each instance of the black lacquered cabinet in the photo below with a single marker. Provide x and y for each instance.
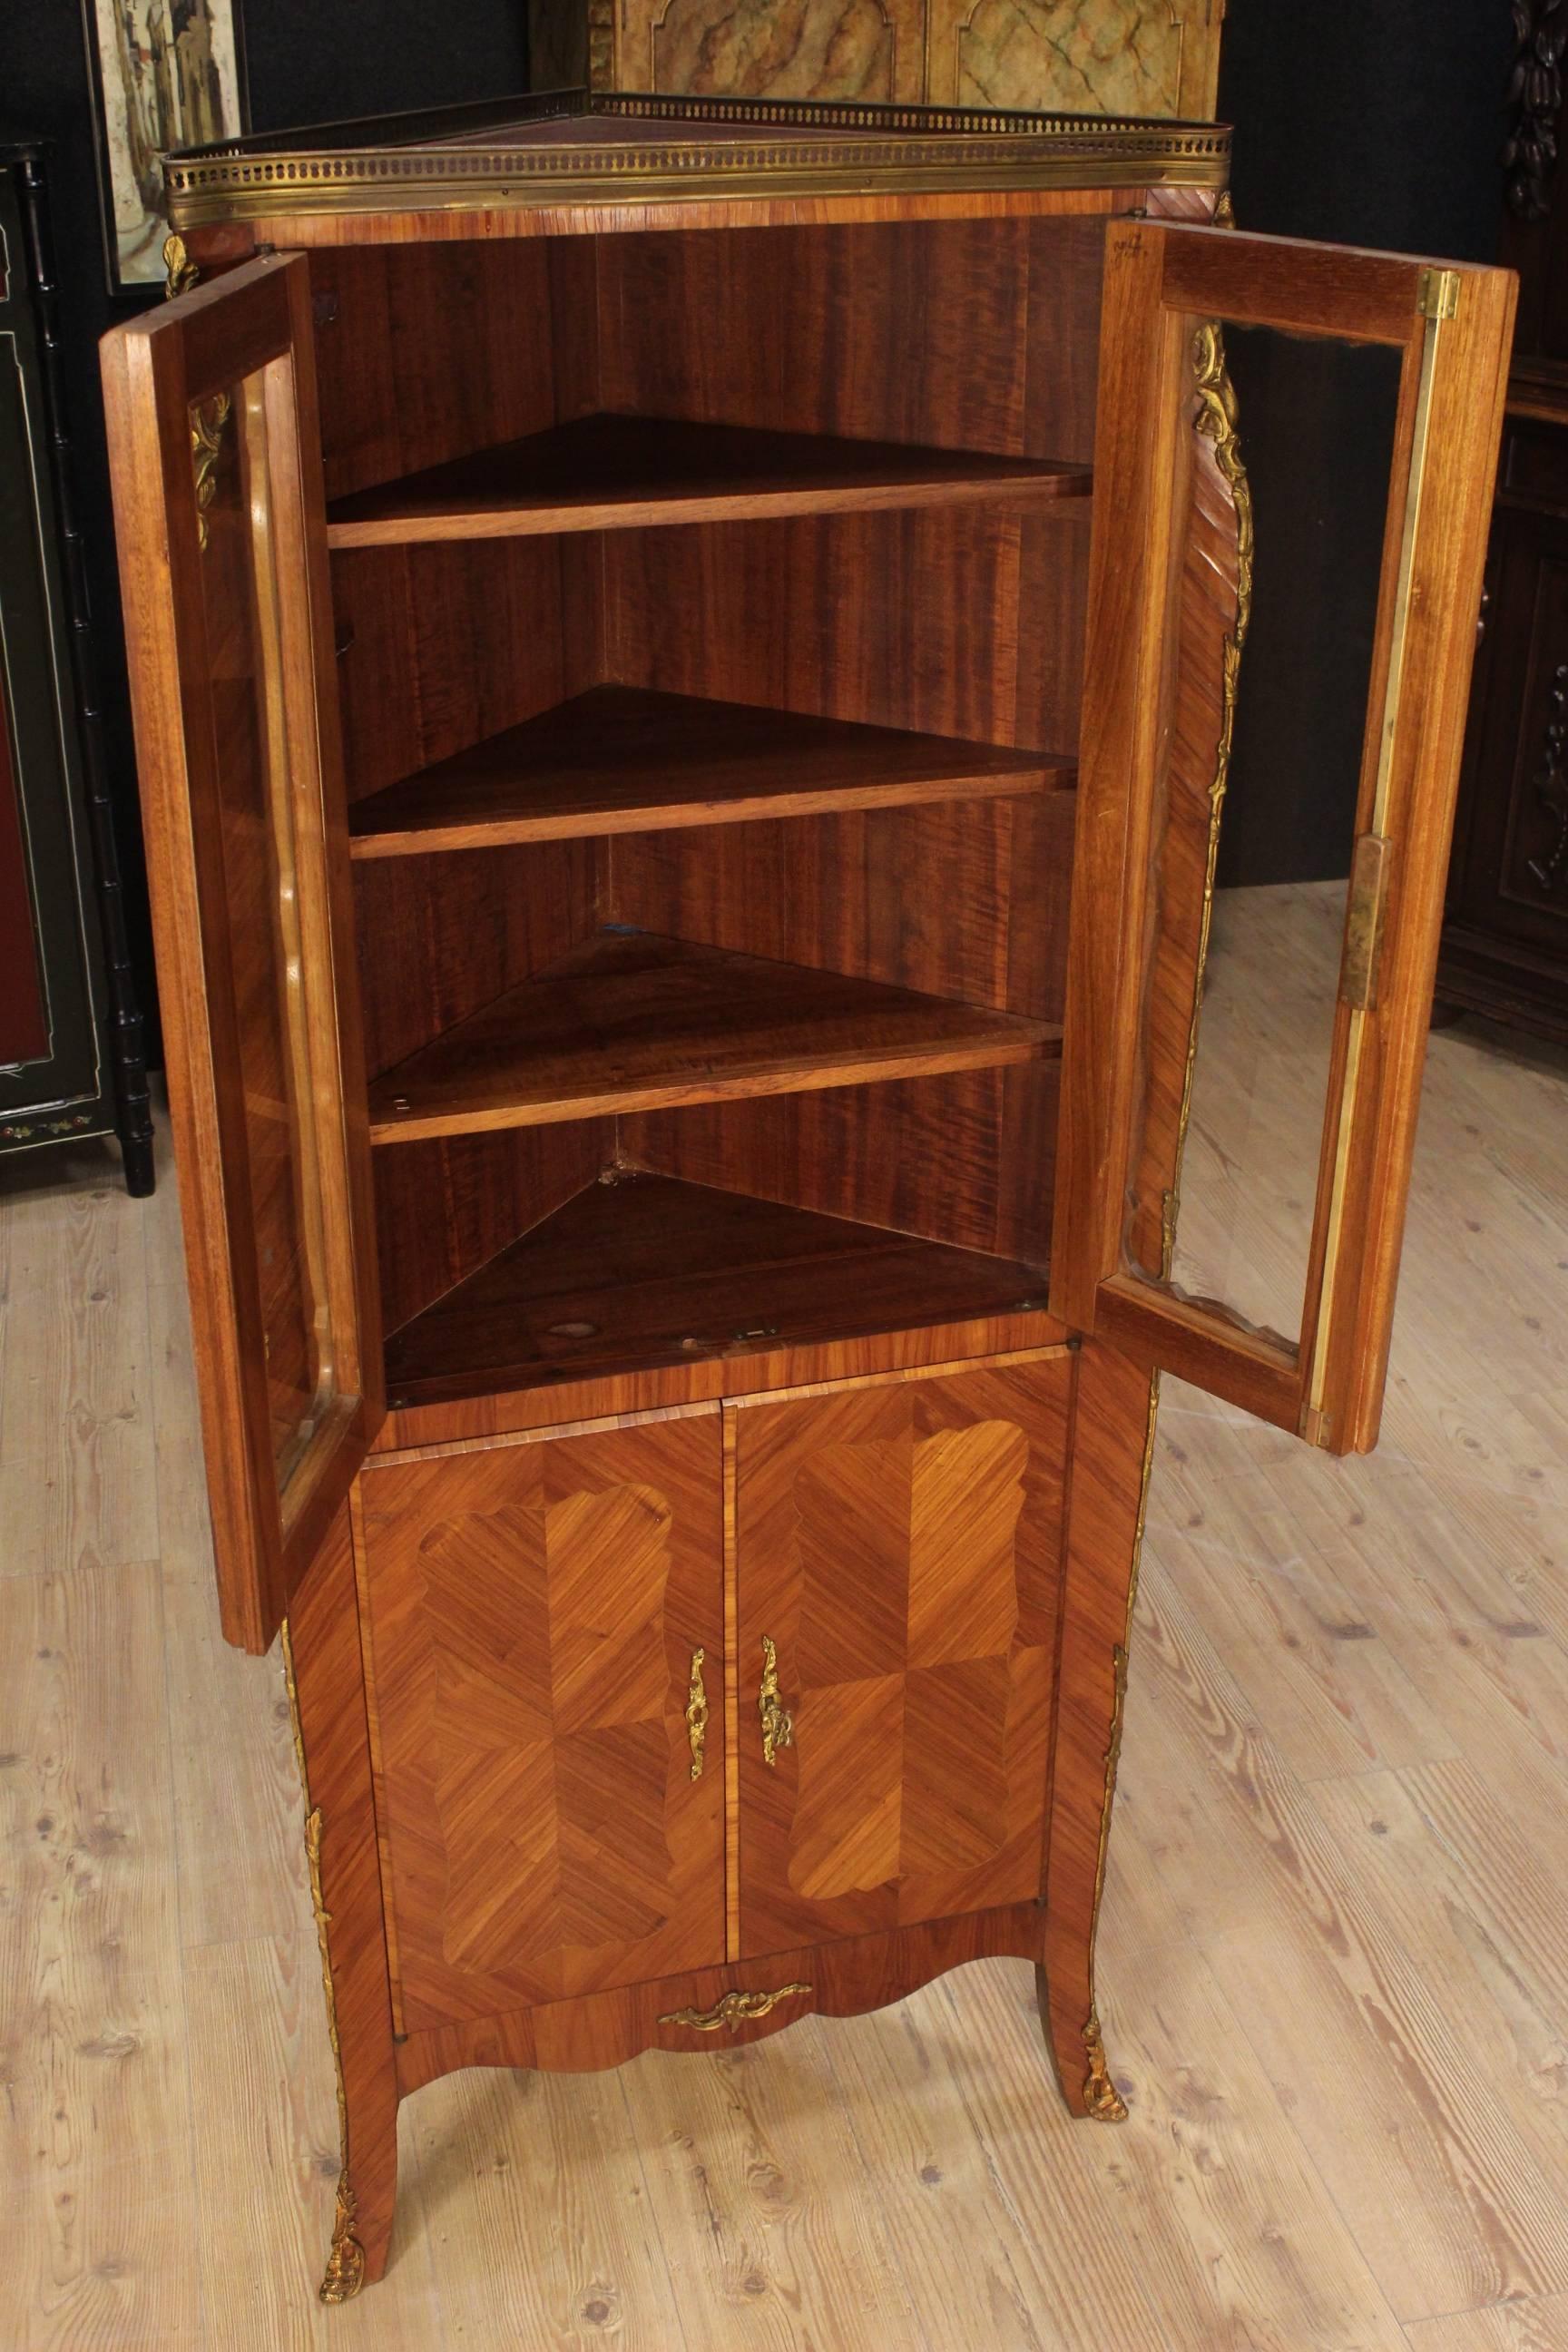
(72, 1058)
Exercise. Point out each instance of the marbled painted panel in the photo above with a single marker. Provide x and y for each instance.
(775, 49)
(1115, 57)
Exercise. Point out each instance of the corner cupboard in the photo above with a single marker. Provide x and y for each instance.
(685, 654)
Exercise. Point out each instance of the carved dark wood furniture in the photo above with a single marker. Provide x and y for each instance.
(1505, 934)
(684, 658)
(71, 1057)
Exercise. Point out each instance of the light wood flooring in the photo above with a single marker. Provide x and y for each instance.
(1334, 1963)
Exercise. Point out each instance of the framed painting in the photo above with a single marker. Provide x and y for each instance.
(165, 74)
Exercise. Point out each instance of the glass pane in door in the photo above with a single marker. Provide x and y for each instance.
(1223, 1200)
(262, 912)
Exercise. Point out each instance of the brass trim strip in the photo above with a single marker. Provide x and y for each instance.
(860, 148)
(697, 1713)
(732, 2010)
(1219, 420)
(1438, 303)
(1101, 2099)
(778, 1723)
(345, 2273)
(347, 190)
(732, 1857)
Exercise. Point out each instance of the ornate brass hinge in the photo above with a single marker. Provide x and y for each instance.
(697, 1713)
(734, 2010)
(1437, 294)
(1363, 921)
(778, 1723)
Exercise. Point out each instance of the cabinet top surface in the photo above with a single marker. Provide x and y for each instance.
(613, 148)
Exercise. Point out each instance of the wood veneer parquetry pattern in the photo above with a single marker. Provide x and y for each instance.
(533, 1609)
(901, 1547)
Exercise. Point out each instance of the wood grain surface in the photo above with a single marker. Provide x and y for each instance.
(632, 472)
(750, 1366)
(633, 1021)
(533, 1611)
(617, 760)
(901, 1548)
(335, 1732)
(646, 1271)
(240, 764)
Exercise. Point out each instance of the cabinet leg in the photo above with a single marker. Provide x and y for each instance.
(366, 2195)
(1113, 1449)
(326, 1685)
(136, 1160)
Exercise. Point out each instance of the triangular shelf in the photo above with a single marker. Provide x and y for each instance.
(644, 1270)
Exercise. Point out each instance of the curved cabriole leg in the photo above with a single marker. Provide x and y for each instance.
(321, 1656)
(1113, 1446)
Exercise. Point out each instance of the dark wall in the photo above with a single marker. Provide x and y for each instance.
(1378, 126)
(306, 63)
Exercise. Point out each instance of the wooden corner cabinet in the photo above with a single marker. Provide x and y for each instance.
(684, 659)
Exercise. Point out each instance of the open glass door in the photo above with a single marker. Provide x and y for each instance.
(220, 520)
(1171, 588)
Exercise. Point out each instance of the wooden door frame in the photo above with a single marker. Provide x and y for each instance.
(158, 370)
(1164, 282)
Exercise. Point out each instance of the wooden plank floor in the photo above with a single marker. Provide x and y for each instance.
(1334, 1966)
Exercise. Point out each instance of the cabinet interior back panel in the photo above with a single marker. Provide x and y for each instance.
(440, 936)
(921, 898)
(426, 353)
(439, 647)
(445, 1208)
(966, 1159)
(904, 620)
(903, 333)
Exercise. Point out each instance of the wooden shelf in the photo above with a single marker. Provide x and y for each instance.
(629, 1021)
(622, 759)
(695, 1273)
(623, 473)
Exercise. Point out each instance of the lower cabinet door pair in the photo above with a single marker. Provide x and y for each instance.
(551, 1681)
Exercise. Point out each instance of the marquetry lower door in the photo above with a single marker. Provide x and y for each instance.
(533, 1615)
(897, 1554)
